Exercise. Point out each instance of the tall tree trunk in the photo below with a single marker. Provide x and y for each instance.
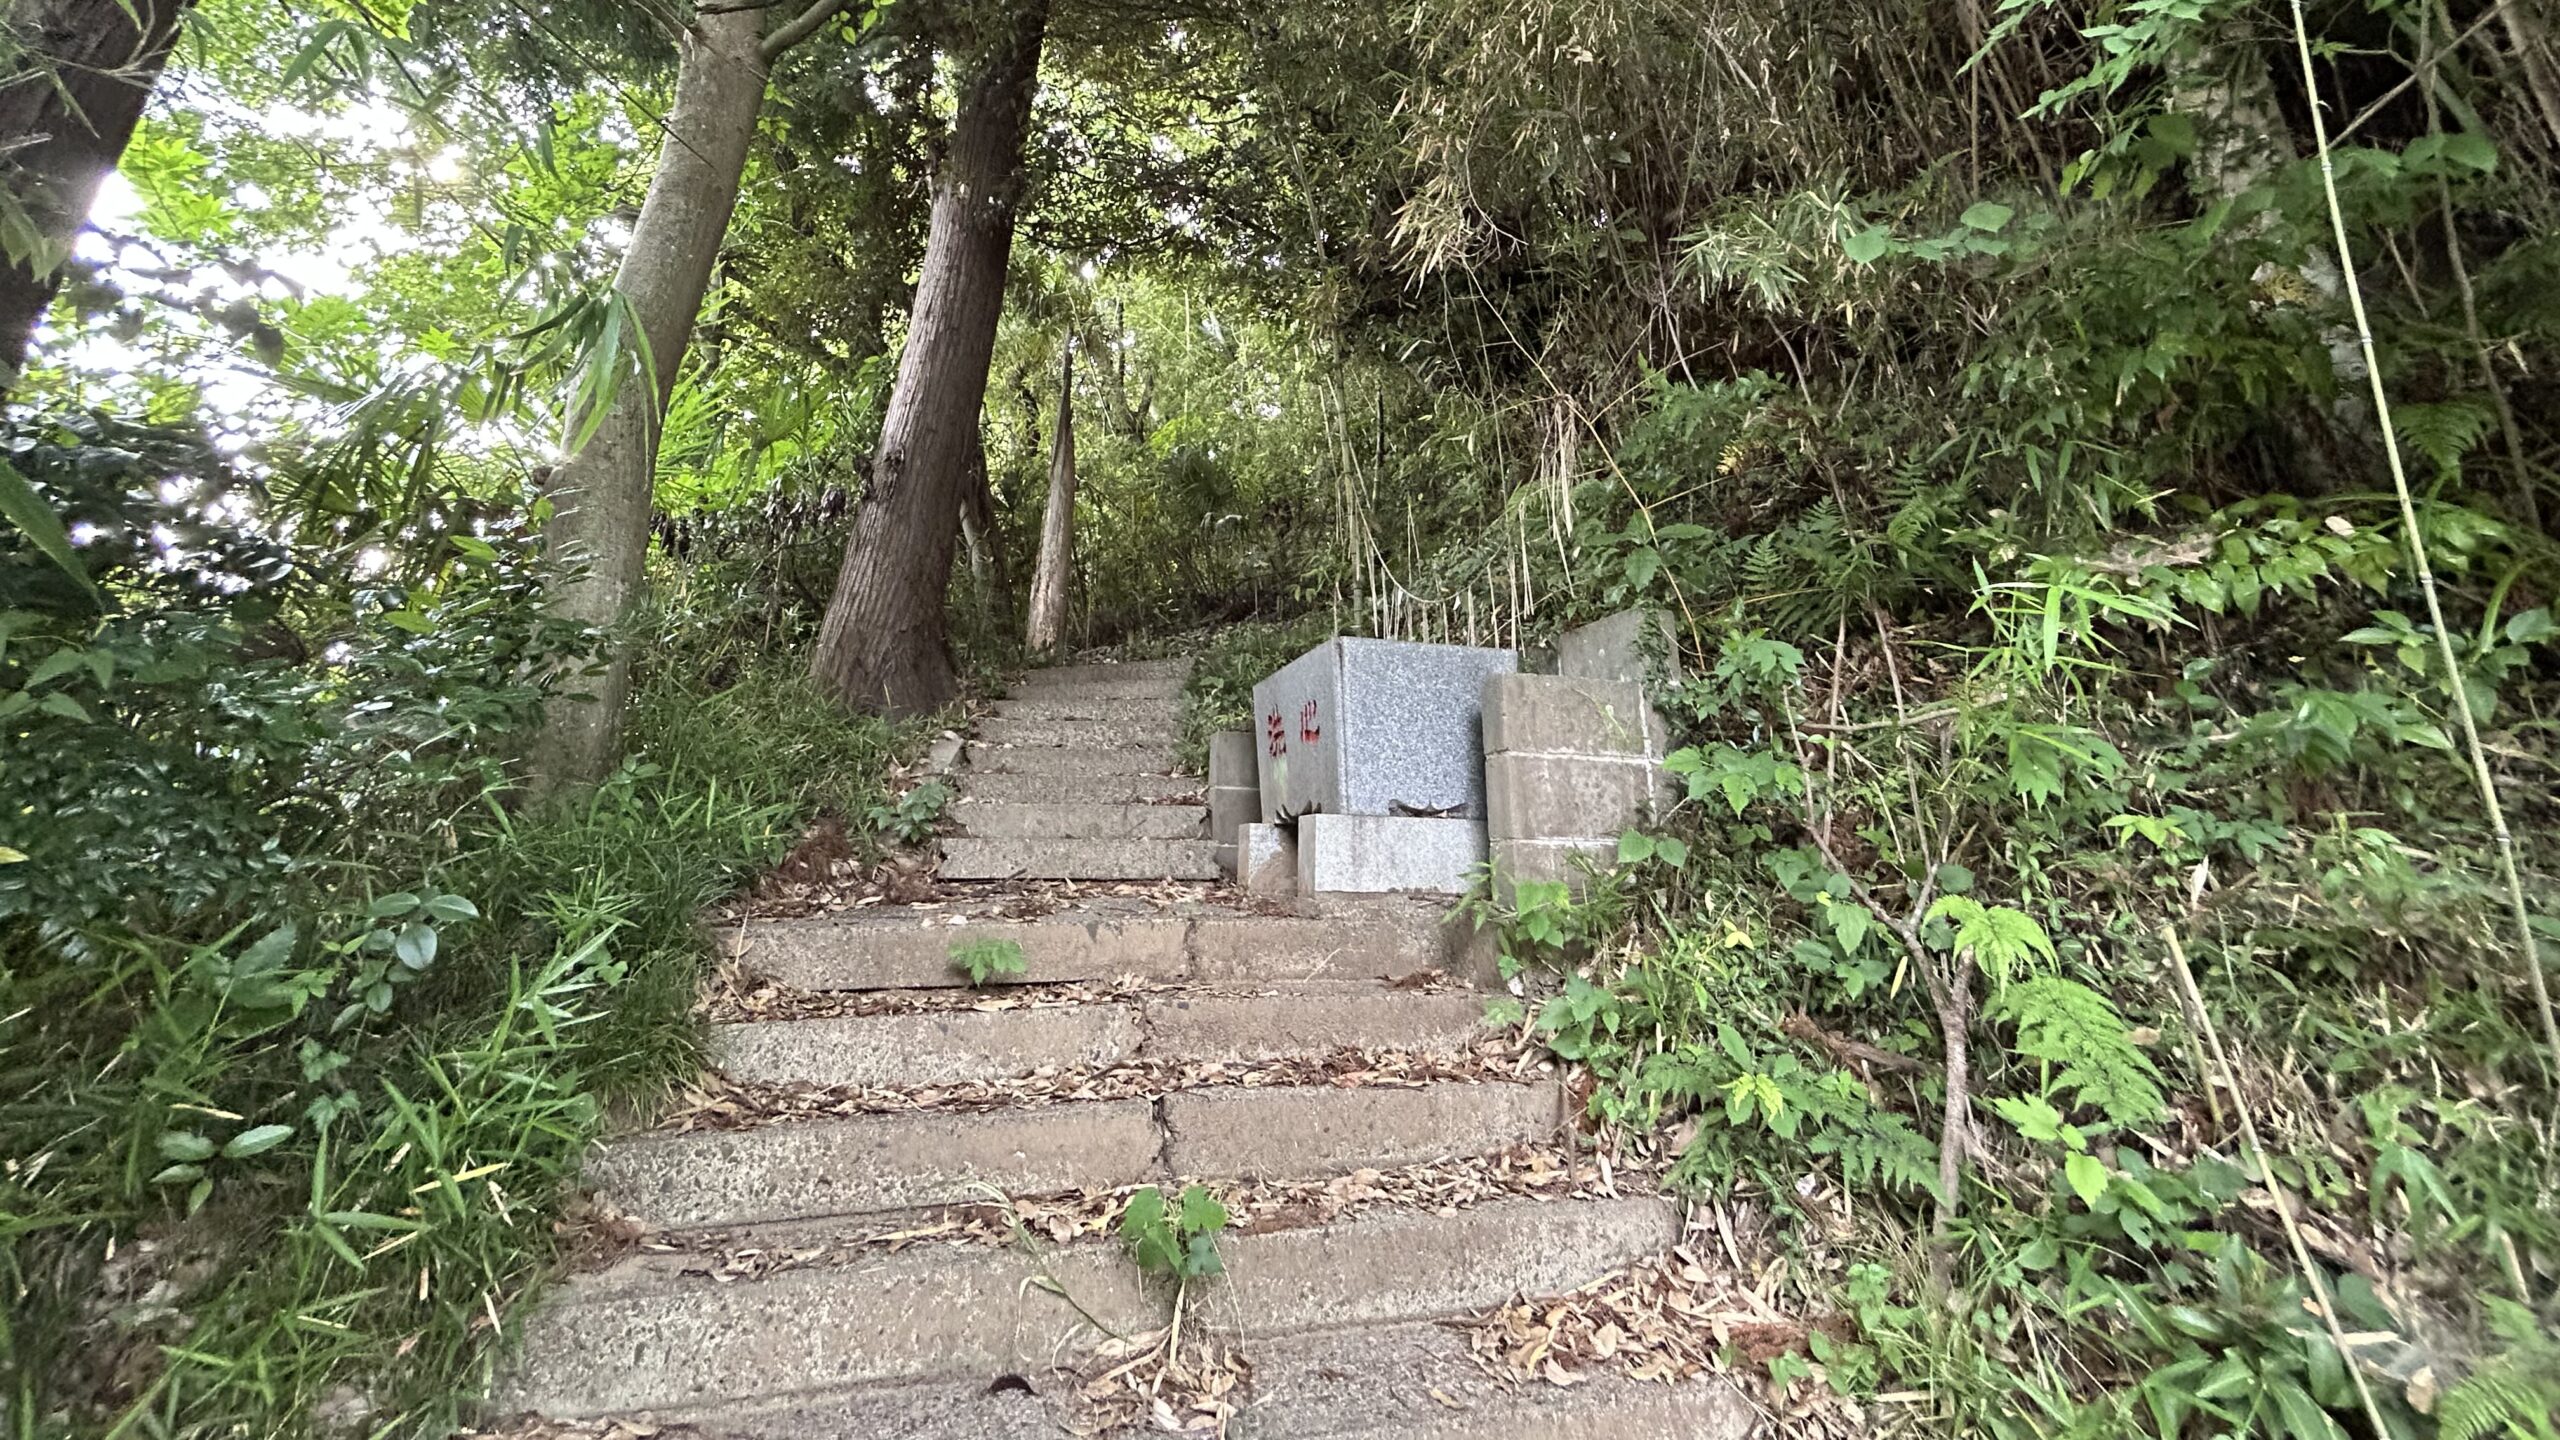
(598, 537)
(74, 75)
(1058, 527)
(884, 644)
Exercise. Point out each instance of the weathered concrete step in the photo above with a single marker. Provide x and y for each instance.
(1000, 788)
(869, 1163)
(1292, 1132)
(1416, 1382)
(969, 1313)
(1124, 710)
(1384, 1382)
(1084, 822)
(887, 950)
(1175, 669)
(1052, 685)
(1069, 760)
(1021, 858)
(941, 1047)
(1310, 1020)
(950, 1047)
(864, 1164)
(1083, 734)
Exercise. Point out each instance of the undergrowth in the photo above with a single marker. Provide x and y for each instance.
(1219, 692)
(310, 1017)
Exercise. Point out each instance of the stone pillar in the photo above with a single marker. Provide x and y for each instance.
(1570, 764)
(1267, 860)
(1235, 794)
(1614, 648)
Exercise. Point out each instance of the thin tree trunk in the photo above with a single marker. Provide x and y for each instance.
(74, 75)
(884, 644)
(1058, 527)
(985, 536)
(597, 541)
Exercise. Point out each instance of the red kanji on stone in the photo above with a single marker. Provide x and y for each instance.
(1278, 729)
(1307, 729)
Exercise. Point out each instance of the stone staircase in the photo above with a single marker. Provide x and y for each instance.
(1073, 779)
(887, 1213)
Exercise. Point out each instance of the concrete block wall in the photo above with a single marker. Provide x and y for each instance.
(1571, 762)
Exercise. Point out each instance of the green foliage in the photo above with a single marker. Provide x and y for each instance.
(302, 990)
(2514, 1393)
(1218, 693)
(1174, 1239)
(984, 962)
(2079, 1033)
(910, 819)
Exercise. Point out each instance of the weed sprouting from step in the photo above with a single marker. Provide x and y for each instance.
(982, 962)
(1175, 1239)
(910, 818)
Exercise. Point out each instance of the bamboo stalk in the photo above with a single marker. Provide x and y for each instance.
(2513, 873)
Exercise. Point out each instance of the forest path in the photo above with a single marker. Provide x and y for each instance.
(890, 1210)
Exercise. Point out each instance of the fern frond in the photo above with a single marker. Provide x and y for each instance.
(2066, 1024)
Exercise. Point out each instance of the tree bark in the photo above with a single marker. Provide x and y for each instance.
(72, 87)
(884, 644)
(1048, 620)
(597, 541)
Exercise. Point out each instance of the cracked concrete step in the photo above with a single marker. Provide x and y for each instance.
(1104, 735)
(1164, 715)
(965, 1313)
(865, 1164)
(952, 1047)
(1384, 1382)
(986, 759)
(1003, 788)
(886, 950)
(1023, 858)
(1084, 822)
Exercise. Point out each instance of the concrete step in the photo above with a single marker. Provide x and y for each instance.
(964, 858)
(1382, 1382)
(887, 949)
(1176, 669)
(1069, 760)
(952, 1047)
(1084, 822)
(1078, 734)
(1166, 714)
(938, 1047)
(1416, 1382)
(963, 1313)
(866, 1164)
(1041, 685)
(996, 788)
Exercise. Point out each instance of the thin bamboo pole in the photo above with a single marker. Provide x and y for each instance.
(2480, 773)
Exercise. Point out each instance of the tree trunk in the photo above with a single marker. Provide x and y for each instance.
(598, 537)
(986, 538)
(884, 644)
(1058, 527)
(71, 92)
